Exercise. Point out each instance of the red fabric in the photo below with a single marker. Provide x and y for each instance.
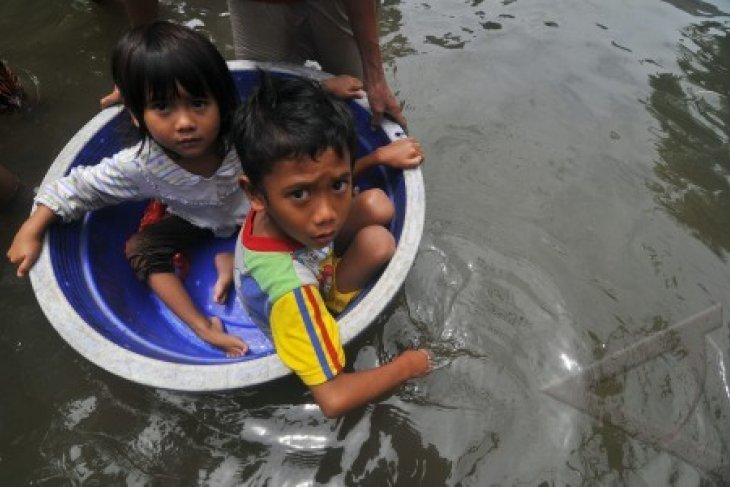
(154, 212)
(323, 330)
(265, 244)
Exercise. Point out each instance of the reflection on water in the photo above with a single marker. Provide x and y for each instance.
(693, 111)
(577, 182)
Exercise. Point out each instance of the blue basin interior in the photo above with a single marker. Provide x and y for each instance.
(90, 267)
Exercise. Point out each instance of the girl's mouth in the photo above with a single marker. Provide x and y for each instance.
(188, 142)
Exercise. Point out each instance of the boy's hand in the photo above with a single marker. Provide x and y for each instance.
(343, 86)
(402, 153)
(420, 361)
(24, 250)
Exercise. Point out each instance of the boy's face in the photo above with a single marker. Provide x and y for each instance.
(308, 200)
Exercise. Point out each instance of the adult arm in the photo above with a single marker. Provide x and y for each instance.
(364, 23)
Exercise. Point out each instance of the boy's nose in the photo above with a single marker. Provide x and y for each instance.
(325, 213)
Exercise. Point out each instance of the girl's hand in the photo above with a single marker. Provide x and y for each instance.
(402, 153)
(25, 249)
(28, 242)
(343, 86)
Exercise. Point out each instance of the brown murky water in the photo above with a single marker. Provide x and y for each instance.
(578, 182)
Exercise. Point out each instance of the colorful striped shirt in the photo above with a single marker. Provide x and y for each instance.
(277, 282)
(216, 203)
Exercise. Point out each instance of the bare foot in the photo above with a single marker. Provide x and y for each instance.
(224, 266)
(232, 345)
(421, 361)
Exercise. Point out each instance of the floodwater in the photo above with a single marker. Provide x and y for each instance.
(578, 185)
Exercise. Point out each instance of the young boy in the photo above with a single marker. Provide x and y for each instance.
(309, 243)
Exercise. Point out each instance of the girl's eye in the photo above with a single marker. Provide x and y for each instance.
(299, 194)
(199, 103)
(159, 106)
(340, 186)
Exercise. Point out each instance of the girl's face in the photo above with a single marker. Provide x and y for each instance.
(187, 126)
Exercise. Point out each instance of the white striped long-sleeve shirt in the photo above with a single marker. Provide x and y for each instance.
(216, 203)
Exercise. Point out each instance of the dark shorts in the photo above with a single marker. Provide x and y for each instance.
(151, 250)
(294, 32)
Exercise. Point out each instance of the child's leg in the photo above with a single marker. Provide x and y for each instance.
(371, 207)
(224, 266)
(172, 292)
(369, 250)
(364, 243)
(150, 253)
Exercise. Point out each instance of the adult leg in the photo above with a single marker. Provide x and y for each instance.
(266, 31)
(331, 35)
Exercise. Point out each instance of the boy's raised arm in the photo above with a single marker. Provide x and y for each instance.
(28, 242)
(402, 154)
(348, 391)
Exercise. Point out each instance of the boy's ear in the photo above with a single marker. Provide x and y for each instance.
(257, 200)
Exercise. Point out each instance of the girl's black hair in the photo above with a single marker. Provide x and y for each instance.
(289, 117)
(149, 61)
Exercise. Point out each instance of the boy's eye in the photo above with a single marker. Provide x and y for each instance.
(340, 186)
(299, 194)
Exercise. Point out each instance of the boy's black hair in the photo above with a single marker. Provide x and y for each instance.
(289, 117)
(149, 61)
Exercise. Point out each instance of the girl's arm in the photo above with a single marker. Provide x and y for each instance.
(88, 188)
(402, 154)
(28, 242)
(348, 391)
(84, 188)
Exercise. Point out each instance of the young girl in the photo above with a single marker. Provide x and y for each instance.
(181, 96)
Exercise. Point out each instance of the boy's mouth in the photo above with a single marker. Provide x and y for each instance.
(324, 238)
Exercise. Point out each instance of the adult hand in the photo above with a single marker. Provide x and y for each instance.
(112, 98)
(383, 103)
